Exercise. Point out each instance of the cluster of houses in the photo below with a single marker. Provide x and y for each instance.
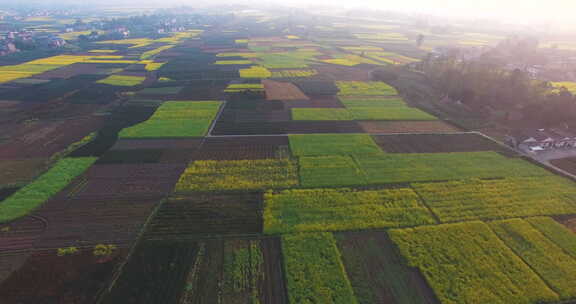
(542, 140)
(9, 40)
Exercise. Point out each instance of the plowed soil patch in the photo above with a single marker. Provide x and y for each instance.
(237, 148)
(276, 90)
(406, 127)
(436, 143)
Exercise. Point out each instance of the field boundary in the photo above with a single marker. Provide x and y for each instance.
(377, 134)
(215, 120)
(119, 269)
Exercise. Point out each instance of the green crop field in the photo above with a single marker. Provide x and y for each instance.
(398, 168)
(365, 88)
(226, 62)
(255, 72)
(371, 102)
(176, 119)
(499, 198)
(468, 263)
(330, 171)
(321, 114)
(548, 260)
(389, 113)
(161, 91)
(314, 270)
(122, 81)
(244, 87)
(382, 168)
(239, 175)
(342, 209)
(34, 194)
(328, 144)
(243, 270)
(361, 113)
(556, 232)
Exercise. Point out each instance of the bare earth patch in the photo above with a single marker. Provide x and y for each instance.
(276, 90)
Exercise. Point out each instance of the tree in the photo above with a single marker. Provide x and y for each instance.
(420, 40)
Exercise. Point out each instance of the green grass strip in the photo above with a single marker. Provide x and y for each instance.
(33, 195)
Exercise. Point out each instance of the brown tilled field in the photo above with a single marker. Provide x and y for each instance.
(276, 90)
(376, 127)
(15, 171)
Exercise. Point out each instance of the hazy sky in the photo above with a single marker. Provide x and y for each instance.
(564, 10)
(514, 10)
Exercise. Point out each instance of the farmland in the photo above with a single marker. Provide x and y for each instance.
(501, 198)
(468, 262)
(211, 175)
(314, 270)
(540, 253)
(122, 81)
(342, 209)
(244, 156)
(327, 144)
(176, 119)
(41, 189)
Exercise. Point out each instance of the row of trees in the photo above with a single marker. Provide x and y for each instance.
(487, 86)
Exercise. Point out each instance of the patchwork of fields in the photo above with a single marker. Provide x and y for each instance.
(247, 164)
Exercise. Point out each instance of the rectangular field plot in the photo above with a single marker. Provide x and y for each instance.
(284, 127)
(378, 273)
(328, 144)
(239, 175)
(371, 102)
(342, 209)
(398, 168)
(48, 184)
(125, 181)
(155, 273)
(276, 90)
(45, 276)
(311, 114)
(161, 91)
(239, 148)
(88, 222)
(123, 81)
(548, 260)
(200, 215)
(499, 198)
(361, 113)
(365, 88)
(171, 144)
(556, 232)
(314, 270)
(389, 113)
(438, 143)
(330, 171)
(383, 127)
(468, 263)
(236, 271)
(176, 119)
